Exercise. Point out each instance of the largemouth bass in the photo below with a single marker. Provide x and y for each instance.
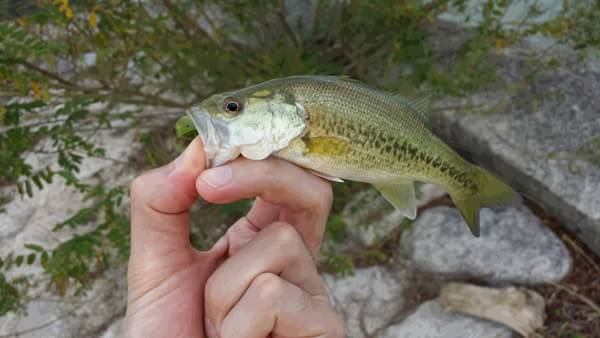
(343, 129)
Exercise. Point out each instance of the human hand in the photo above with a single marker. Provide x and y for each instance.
(167, 277)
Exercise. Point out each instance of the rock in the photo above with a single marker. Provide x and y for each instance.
(536, 144)
(87, 316)
(368, 301)
(514, 246)
(100, 309)
(370, 217)
(430, 321)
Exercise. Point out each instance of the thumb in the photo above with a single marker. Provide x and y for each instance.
(160, 203)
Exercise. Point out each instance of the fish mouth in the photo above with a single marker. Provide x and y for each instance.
(215, 137)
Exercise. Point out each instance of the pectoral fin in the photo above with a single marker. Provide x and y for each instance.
(257, 151)
(401, 195)
(327, 177)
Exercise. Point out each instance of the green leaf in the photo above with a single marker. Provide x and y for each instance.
(184, 128)
(8, 261)
(37, 181)
(10, 298)
(30, 259)
(339, 263)
(47, 175)
(44, 259)
(83, 216)
(28, 188)
(336, 227)
(34, 247)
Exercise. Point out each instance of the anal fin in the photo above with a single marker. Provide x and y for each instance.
(401, 195)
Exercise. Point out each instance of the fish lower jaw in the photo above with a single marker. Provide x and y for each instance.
(222, 156)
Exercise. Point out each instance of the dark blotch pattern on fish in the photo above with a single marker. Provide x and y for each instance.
(402, 150)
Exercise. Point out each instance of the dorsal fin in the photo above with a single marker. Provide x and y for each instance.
(347, 78)
(420, 102)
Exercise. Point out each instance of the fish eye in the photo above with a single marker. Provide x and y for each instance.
(232, 105)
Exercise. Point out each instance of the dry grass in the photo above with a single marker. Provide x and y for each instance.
(573, 305)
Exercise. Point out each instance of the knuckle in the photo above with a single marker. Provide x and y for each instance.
(212, 297)
(285, 235)
(325, 197)
(287, 244)
(271, 167)
(231, 332)
(267, 287)
(328, 194)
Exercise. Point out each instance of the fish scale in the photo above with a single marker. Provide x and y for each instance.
(332, 104)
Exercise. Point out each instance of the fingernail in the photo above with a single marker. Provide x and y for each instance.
(209, 329)
(217, 177)
(183, 161)
(176, 166)
(178, 160)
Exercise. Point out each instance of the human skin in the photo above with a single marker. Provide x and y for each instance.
(258, 280)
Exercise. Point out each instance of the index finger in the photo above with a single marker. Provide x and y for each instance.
(278, 250)
(304, 199)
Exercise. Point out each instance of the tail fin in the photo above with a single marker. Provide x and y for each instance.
(491, 191)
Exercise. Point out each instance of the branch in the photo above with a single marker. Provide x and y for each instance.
(188, 25)
(44, 72)
(53, 152)
(141, 99)
(39, 327)
(581, 297)
(123, 96)
(286, 25)
(120, 95)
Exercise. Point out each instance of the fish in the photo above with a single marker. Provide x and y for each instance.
(343, 129)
